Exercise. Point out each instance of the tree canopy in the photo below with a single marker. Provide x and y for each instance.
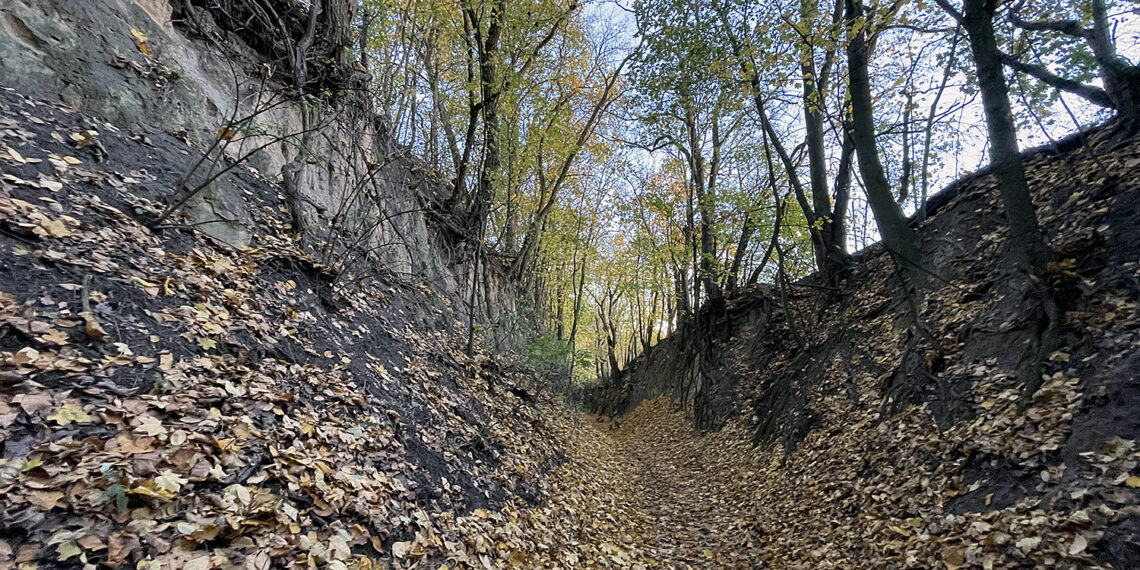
(632, 162)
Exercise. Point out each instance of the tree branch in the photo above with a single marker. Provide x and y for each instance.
(1093, 94)
(1068, 27)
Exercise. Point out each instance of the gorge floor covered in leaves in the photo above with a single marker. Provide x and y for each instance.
(168, 402)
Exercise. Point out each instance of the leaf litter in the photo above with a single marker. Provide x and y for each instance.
(180, 406)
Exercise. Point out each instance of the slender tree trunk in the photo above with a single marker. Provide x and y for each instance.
(928, 130)
(697, 172)
(842, 194)
(905, 176)
(1005, 156)
(366, 20)
(746, 232)
(489, 173)
(559, 307)
(1121, 79)
(1031, 252)
(779, 215)
(898, 237)
(829, 260)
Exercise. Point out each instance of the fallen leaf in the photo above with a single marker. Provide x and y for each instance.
(68, 550)
(200, 563)
(149, 425)
(1080, 543)
(401, 549)
(46, 500)
(140, 40)
(92, 327)
(169, 481)
(32, 403)
(55, 228)
(69, 413)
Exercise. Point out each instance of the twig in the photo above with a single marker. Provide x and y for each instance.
(85, 293)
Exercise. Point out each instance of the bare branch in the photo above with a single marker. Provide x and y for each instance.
(1091, 93)
(1068, 27)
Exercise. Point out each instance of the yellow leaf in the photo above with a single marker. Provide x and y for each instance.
(55, 228)
(149, 492)
(140, 40)
(68, 413)
(32, 464)
(68, 550)
(1132, 481)
(224, 444)
(142, 282)
(207, 343)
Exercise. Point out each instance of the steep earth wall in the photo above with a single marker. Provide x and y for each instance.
(962, 241)
(168, 400)
(140, 65)
(824, 373)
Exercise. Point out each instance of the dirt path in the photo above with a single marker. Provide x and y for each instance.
(691, 505)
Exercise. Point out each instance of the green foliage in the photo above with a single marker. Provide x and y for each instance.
(552, 357)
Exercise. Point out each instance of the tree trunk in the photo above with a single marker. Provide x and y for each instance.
(489, 85)
(898, 237)
(1005, 156)
(1026, 241)
(705, 203)
(337, 32)
(365, 31)
(928, 130)
(1121, 79)
(829, 259)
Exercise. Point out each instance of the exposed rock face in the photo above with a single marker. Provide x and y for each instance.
(136, 65)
